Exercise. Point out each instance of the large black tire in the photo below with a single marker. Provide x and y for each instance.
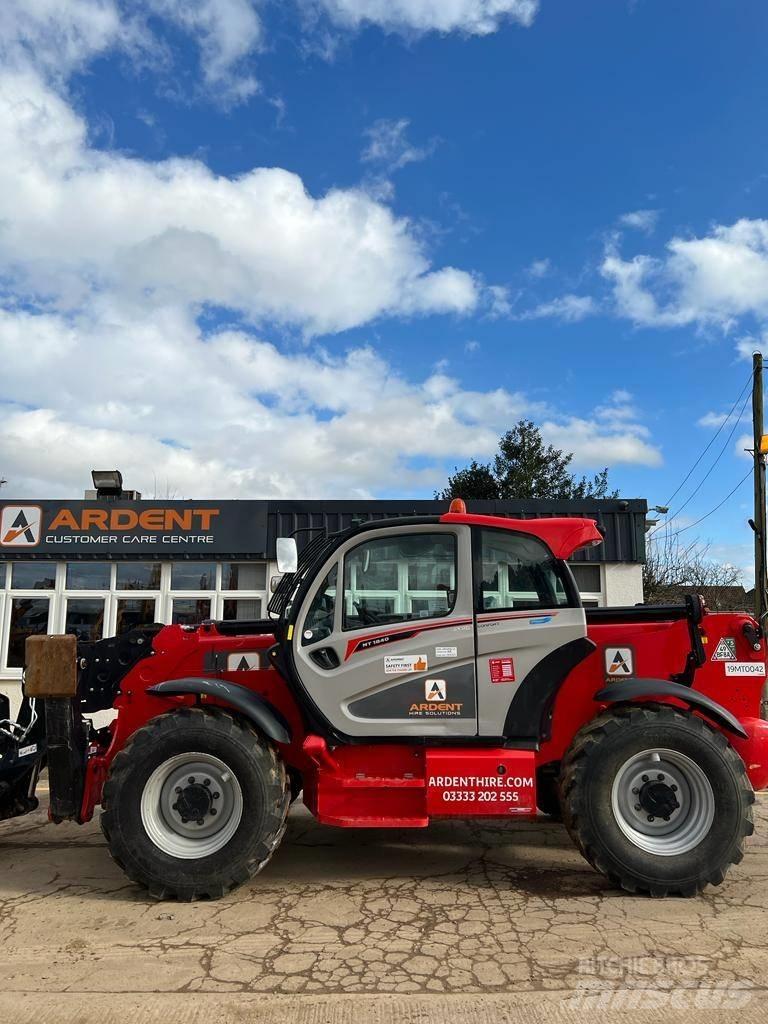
(263, 800)
(592, 813)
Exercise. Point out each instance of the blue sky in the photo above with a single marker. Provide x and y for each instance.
(334, 247)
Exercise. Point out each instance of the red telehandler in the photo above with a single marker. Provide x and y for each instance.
(414, 669)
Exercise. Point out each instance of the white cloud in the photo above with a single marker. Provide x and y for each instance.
(229, 414)
(474, 17)
(499, 301)
(175, 232)
(602, 446)
(388, 146)
(569, 308)
(712, 419)
(58, 36)
(640, 220)
(107, 262)
(749, 344)
(710, 280)
(227, 32)
(539, 268)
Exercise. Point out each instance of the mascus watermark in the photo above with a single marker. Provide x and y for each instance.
(655, 983)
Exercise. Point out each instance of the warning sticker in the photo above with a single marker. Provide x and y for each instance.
(619, 662)
(725, 650)
(745, 668)
(446, 652)
(243, 661)
(502, 670)
(398, 664)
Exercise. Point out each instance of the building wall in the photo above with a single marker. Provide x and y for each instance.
(623, 584)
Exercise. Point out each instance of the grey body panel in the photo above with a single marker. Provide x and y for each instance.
(361, 676)
(440, 693)
(527, 638)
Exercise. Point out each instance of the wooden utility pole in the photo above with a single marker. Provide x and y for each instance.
(759, 474)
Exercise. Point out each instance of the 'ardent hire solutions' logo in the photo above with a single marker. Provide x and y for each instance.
(20, 526)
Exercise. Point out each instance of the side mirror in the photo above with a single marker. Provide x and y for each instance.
(273, 582)
(287, 554)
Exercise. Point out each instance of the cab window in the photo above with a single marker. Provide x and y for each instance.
(398, 579)
(319, 621)
(520, 573)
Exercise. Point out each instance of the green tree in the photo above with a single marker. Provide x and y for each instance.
(525, 467)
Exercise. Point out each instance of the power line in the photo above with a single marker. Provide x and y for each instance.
(720, 504)
(701, 482)
(711, 442)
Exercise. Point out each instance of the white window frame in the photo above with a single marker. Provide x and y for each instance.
(597, 598)
(163, 596)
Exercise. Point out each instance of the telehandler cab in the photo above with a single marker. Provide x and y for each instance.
(483, 688)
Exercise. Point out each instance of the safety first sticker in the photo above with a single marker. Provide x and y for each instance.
(725, 650)
(502, 670)
(619, 662)
(399, 664)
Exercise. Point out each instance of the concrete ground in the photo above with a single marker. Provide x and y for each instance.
(472, 923)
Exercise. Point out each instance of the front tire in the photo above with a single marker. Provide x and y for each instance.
(195, 804)
(656, 799)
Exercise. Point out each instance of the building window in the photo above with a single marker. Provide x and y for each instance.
(88, 575)
(193, 576)
(85, 618)
(132, 612)
(241, 608)
(96, 599)
(138, 576)
(243, 576)
(29, 617)
(589, 582)
(33, 575)
(190, 611)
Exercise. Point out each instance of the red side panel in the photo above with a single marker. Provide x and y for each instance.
(466, 783)
(562, 535)
(394, 786)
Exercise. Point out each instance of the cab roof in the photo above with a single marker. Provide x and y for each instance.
(563, 535)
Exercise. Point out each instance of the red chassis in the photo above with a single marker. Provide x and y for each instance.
(338, 785)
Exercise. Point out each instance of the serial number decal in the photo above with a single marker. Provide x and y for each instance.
(745, 668)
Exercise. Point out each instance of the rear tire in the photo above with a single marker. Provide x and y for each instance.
(195, 804)
(656, 800)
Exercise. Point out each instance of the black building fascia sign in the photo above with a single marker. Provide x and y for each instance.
(132, 529)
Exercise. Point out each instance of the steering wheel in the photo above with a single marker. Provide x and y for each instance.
(370, 618)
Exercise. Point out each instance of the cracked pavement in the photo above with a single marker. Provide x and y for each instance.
(486, 919)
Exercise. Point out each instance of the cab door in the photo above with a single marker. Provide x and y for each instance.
(528, 609)
(384, 641)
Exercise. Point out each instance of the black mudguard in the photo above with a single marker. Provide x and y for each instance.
(263, 715)
(632, 689)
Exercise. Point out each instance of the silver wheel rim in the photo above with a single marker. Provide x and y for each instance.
(199, 788)
(649, 782)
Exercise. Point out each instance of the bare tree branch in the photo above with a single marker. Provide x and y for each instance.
(674, 568)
